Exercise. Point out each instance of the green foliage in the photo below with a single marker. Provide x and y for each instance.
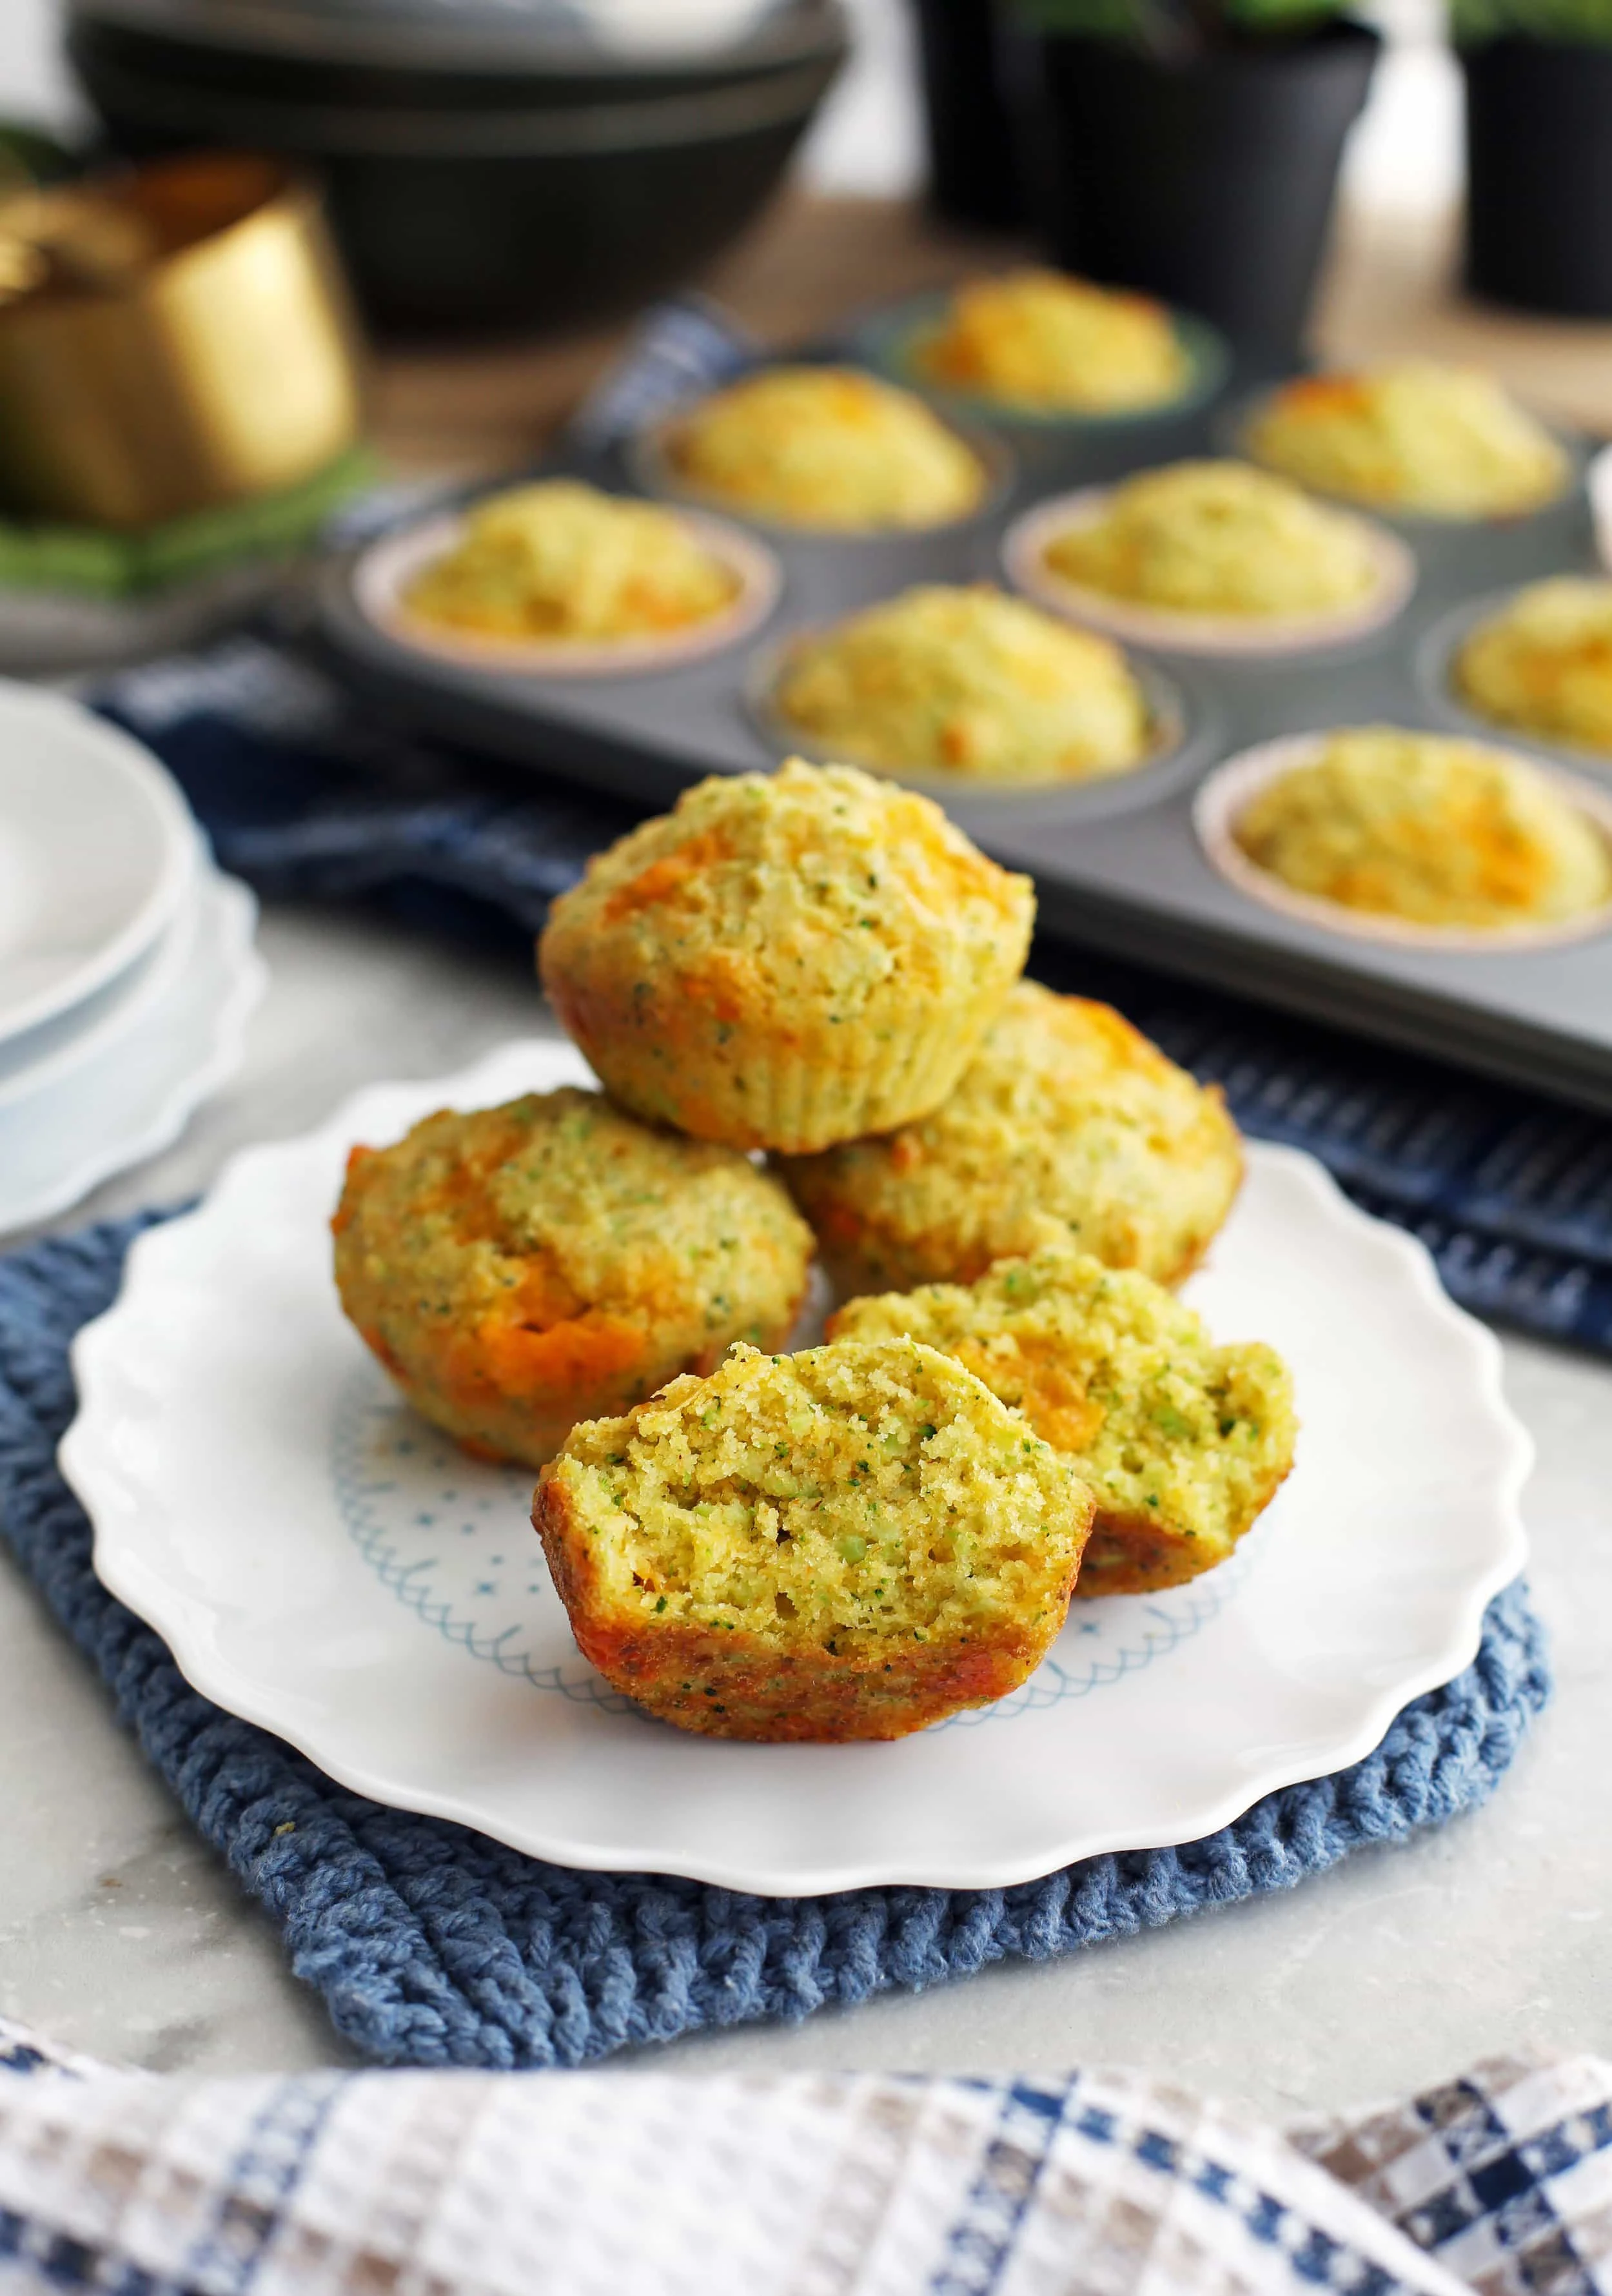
(1183, 27)
(1585, 21)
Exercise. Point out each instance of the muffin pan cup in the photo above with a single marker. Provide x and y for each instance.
(1181, 744)
(1467, 554)
(1232, 787)
(1052, 444)
(384, 573)
(1435, 659)
(1118, 863)
(1241, 637)
(651, 471)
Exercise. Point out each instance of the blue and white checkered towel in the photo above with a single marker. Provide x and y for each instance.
(650, 2185)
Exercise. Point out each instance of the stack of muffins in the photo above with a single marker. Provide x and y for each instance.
(858, 1540)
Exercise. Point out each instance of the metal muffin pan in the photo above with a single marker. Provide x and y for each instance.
(1118, 868)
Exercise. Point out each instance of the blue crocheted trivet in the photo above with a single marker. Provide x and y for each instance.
(432, 1946)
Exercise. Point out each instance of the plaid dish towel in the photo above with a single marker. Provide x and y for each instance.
(654, 2185)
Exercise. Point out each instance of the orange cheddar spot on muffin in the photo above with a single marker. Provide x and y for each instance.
(670, 878)
(524, 1361)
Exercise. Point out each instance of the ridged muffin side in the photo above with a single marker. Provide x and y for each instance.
(850, 1543)
(1067, 1125)
(519, 1268)
(1184, 1443)
(787, 959)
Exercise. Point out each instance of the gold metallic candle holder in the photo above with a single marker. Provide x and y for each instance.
(171, 340)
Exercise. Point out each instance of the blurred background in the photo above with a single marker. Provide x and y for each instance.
(437, 222)
(869, 139)
(1405, 151)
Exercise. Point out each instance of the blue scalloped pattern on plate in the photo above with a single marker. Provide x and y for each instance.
(448, 1536)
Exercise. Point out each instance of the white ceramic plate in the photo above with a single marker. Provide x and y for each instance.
(1233, 786)
(322, 1563)
(127, 1092)
(97, 849)
(1027, 540)
(387, 571)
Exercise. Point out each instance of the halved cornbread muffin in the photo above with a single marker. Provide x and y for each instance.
(787, 959)
(519, 1268)
(1068, 1125)
(849, 1543)
(1183, 1443)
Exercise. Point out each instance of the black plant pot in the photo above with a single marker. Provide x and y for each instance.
(1209, 182)
(1539, 163)
(973, 176)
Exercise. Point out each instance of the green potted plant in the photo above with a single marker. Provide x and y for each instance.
(1192, 147)
(1539, 152)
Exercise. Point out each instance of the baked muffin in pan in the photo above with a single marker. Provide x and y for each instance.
(1412, 437)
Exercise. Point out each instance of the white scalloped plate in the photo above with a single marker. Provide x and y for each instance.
(323, 1564)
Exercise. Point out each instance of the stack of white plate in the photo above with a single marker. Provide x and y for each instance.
(127, 964)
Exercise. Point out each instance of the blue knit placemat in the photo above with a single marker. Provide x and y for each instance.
(432, 1946)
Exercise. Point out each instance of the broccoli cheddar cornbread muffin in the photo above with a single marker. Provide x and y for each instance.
(1183, 1443)
(1053, 345)
(787, 959)
(1067, 1125)
(967, 682)
(519, 1268)
(1544, 663)
(561, 561)
(850, 1543)
(1425, 827)
(826, 446)
(1217, 537)
(1444, 441)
